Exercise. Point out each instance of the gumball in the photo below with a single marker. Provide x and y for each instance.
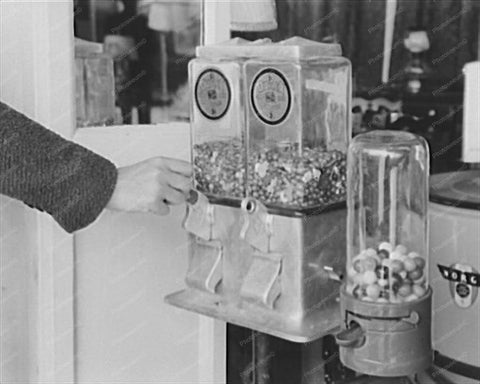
(386, 246)
(405, 290)
(401, 249)
(350, 288)
(396, 266)
(412, 255)
(358, 266)
(370, 252)
(358, 279)
(351, 272)
(395, 255)
(387, 263)
(410, 265)
(382, 282)
(412, 297)
(383, 254)
(415, 274)
(396, 281)
(357, 292)
(382, 300)
(369, 263)
(396, 299)
(419, 290)
(420, 281)
(369, 277)
(360, 256)
(373, 291)
(420, 261)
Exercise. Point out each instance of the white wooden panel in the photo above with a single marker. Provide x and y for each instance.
(37, 257)
(125, 265)
(217, 21)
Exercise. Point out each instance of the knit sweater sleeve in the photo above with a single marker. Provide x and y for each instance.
(52, 174)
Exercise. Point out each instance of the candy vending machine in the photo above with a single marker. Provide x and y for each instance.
(270, 127)
(386, 298)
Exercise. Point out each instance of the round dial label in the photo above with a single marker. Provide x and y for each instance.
(271, 96)
(212, 94)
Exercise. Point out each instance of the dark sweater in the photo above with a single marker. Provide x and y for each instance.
(52, 174)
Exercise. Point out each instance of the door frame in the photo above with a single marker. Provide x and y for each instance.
(51, 30)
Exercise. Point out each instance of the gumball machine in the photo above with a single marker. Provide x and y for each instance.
(386, 298)
(270, 127)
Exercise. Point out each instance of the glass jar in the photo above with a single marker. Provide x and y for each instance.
(218, 127)
(298, 126)
(387, 243)
(283, 106)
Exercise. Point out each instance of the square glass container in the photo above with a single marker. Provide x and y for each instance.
(271, 121)
(298, 129)
(218, 128)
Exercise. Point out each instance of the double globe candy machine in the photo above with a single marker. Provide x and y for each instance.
(288, 235)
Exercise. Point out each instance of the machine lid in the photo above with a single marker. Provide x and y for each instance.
(459, 189)
(295, 48)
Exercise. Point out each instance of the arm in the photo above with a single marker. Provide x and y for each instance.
(52, 174)
(74, 184)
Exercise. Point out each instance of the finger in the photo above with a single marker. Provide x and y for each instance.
(179, 182)
(174, 165)
(174, 197)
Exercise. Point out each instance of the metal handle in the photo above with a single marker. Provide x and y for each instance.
(352, 337)
(261, 284)
(257, 228)
(200, 216)
(333, 275)
(205, 266)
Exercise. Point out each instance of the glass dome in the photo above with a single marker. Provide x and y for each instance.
(387, 233)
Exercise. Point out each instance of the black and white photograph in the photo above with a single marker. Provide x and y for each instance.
(239, 191)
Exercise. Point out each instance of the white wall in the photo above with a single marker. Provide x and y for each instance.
(17, 237)
(125, 265)
(17, 229)
(15, 250)
(35, 78)
(124, 331)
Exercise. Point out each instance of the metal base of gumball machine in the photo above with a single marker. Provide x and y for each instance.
(266, 271)
(387, 340)
(382, 380)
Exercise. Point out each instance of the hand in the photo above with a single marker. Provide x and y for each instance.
(151, 186)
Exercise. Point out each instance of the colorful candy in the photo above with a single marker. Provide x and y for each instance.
(385, 246)
(285, 175)
(397, 266)
(405, 290)
(383, 254)
(415, 274)
(373, 291)
(387, 275)
(369, 277)
(410, 265)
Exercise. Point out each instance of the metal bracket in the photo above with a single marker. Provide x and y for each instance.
(200, 216)
(258, 225)
(205, 266)
(262, 282)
